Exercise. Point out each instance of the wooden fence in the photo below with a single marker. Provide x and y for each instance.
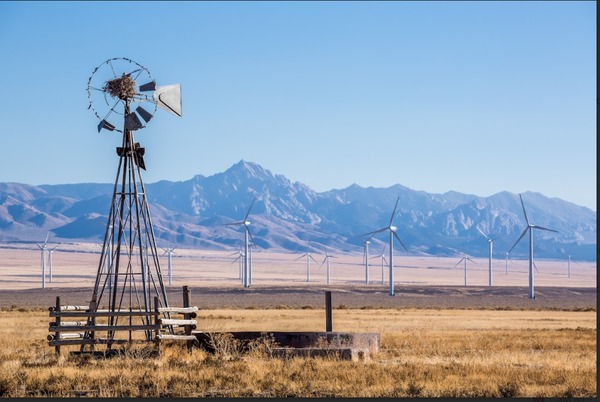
(157, 324)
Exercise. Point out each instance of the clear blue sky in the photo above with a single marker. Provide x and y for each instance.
(477, 97)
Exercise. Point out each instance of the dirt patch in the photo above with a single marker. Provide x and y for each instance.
(355, 297)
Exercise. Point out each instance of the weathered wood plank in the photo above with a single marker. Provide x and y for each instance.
(170, 321)
(177, 337)
(73, 314)
(181, 310)
(104, 327)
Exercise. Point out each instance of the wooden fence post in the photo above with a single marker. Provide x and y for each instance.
(187, 316)
(57, 347)
(328, 320)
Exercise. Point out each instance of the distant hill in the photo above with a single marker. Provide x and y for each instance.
(289, 216)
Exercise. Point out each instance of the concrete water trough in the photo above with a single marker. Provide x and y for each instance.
(343, 345)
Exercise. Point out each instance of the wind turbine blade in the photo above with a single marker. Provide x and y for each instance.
(394, 212)
(47, 235)
(398, 238)
(455, 265)
(234, 223)
(543, 228)
(494, 239)
(524, 212)
(376, 231)
(324, 259)
(311, 257)
(519, 239)
(250, 235)
(302, 256)
(248, 213)
(471, 260)
(486, 236)
(384, 260)
(535, 267)
(383, 251)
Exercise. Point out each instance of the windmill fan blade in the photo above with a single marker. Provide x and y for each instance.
(455, 265)
(105, 125)
(524, 212)
(519, 239)
(311, 257)
(324, 259)
(139, 155)
(398, 238)
(144, 113)
(234, 223)
(168, 98)
(132, 122)
(471, 261)
(149, 86)
(302, 256)
(535, 267)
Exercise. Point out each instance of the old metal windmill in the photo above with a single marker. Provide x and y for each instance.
(129, 276)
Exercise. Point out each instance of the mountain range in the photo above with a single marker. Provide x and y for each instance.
(290, 217)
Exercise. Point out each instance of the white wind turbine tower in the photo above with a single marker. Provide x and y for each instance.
(245, 274)
(464, 258)
(326, 260)
(241, 261)
(530, 228)
(308, 258)
(490, 245)
(366, 259)
(43, 249)
(50, 251)
(169, 251)
(383, 260)
(392, 230)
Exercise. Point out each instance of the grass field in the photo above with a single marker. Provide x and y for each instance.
(423, 353)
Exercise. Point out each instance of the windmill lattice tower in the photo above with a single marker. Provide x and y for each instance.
(129, 276)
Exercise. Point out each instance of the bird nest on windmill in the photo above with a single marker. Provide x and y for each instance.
(122, 88)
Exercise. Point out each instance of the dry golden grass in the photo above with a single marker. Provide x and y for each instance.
(425, 353)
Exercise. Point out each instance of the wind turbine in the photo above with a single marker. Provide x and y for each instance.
(490, 245)
(247, 235)
(530, 228)
(326, 259)
(465, 258)
(308, 258)
(383, 260)
(50, 251)
(366, 259)
(43, 249)
(169, 251)
(240, 259)
(392, 230)
(569, 259)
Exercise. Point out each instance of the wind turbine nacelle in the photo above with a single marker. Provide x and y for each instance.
(168, 98)
(393, 228)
